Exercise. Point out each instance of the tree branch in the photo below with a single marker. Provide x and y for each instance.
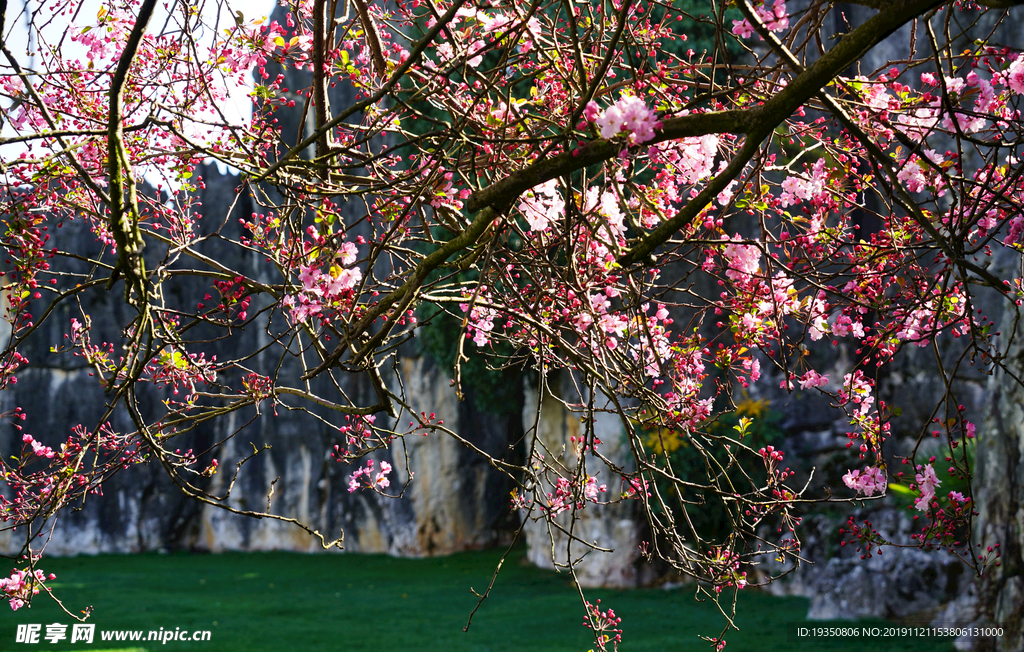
(465, 239)
(124, 208)
(902, 195)
(502, 193)
(805, 86)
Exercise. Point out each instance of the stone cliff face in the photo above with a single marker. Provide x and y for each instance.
(457, 500)
(909, 582)
(997, 598)
(611, 528)
(1000, 494)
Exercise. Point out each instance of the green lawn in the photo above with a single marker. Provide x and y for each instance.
(284, 601)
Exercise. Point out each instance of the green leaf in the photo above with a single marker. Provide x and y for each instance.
(901, 489)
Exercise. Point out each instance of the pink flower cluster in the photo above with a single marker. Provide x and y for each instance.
(481, 319)
(742, 260)
(636, 487)
(653, 345)
(846, 326)
(605, 625)
(869, 482)
(255, 45)
(37, 448)
(917, 177)
(591, 489)
(1016, 229)
(629, 115)
(856, 388)
(725, 566)
(542, 205)
(499, 24)
(22, 585)
(813, 379)
(926, 484)
(319, 289)
(563, 497)
(796, 189)
(182, 371)
(917, 327)
(919, 122)
(687, 405)
(690, 159)
(561, 500)
(611, 324)
(379, 481)
(104, 39)
(358, 429)
(819, 317)
(776, 19)
(1014, 75)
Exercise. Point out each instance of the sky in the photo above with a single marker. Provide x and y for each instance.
(56, 30)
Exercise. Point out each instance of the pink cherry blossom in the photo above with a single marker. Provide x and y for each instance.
(542, 206)
(1015, 75)
(348, 253)
(927, 482)
(868, 482)
(22, 585)
(774, 18)
(376, 482)
(629, 114)
(551, 238)
(813, 379)
(742, 260)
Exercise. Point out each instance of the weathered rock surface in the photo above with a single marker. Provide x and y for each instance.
(456, 501)
(898, 584)
(611, 528)
(998, 598)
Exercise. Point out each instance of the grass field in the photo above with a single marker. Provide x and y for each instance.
(283, 602)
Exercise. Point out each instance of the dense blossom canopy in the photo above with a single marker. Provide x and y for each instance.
(582, 187)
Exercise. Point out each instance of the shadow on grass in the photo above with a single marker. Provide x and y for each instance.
(286, 601)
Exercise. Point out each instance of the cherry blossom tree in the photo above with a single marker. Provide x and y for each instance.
(572, 182)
